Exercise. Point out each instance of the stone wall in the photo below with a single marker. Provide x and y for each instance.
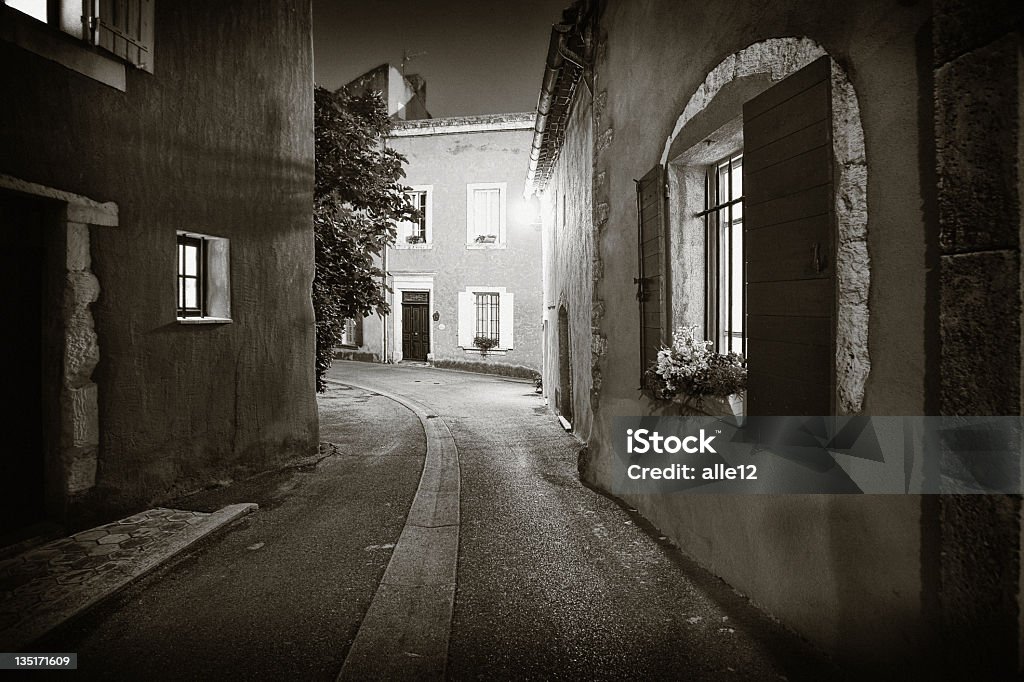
(978, 76)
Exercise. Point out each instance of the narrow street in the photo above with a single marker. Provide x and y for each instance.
(554, 580)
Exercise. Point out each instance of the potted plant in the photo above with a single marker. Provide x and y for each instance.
(691, 374)
(414, 239)
(485, 343)
(486, 238)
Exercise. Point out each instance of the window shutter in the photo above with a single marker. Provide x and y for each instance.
(125, 28)
(357, 336)
(650, 201)
(506, 306)
(789, 246)
(467, 319)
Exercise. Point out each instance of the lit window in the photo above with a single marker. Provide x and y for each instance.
(487, 316)
(416, 231)
(485, 213)
(723, 219)
(203, 290)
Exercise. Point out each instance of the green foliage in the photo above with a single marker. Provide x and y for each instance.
(357, 199)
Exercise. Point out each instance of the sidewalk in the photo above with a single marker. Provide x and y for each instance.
(47, 585)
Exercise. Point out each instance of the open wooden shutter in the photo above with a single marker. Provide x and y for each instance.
(125, 28)
(506, 320)
(650, 201)
(789, 245)
(357, 331)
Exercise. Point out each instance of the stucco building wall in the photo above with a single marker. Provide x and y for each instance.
(217, 140)
(568, 277)
(852, 574)
(445, 157)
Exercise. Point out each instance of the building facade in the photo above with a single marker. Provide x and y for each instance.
(156, 180)
(469, 269)
(860, 164)
(405, 96)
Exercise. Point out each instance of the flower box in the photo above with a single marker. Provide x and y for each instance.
(414, 239)
(486, 239)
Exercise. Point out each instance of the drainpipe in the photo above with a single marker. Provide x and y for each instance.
(384, 357)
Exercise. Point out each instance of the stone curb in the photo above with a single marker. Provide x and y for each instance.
(63, 578)
(407, 627)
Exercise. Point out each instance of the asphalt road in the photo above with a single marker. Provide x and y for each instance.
(555, 581)
(279, 596)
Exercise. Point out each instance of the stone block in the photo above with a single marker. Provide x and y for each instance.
(78, 257)
(80, 416)
(977, 124)
(980, 321)
(80, 469)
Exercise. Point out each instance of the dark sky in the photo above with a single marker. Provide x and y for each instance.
(482, 56)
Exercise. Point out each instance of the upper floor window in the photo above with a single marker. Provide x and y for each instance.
(723, 224)
(417, 233)
(123, 28)
(485, 209)
(203, 287)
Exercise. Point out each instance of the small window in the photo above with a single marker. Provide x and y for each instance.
(723, 220)
(352, 333)
(487, 316)
(486, 214)
(411, 234)
(203, 290)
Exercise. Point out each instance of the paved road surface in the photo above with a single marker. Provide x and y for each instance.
(555, 581)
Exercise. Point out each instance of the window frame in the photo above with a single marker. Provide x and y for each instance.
(406, 228)
(488, 325)
(213, 279)
(720, 295)
(472, 233)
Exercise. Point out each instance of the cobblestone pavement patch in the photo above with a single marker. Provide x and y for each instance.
(44, 586)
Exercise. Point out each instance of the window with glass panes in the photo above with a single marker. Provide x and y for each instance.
(487, 322)
(486, 212)
(418, 228)
(191, 276)
(723, 220)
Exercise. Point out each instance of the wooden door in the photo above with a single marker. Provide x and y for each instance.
(415, 331)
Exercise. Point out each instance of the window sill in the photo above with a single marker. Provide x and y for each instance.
(204, 320)
(49, 43)
(485, 246)
(412, 247)
(493, 351)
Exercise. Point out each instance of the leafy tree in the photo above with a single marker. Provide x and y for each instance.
(357, 199)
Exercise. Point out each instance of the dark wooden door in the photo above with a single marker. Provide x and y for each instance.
(789, 245)
(415, 331)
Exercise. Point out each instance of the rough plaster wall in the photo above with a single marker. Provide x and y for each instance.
(651, 59)
(218, 140)
(572, 248)
(977, 90)
(449, 162)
